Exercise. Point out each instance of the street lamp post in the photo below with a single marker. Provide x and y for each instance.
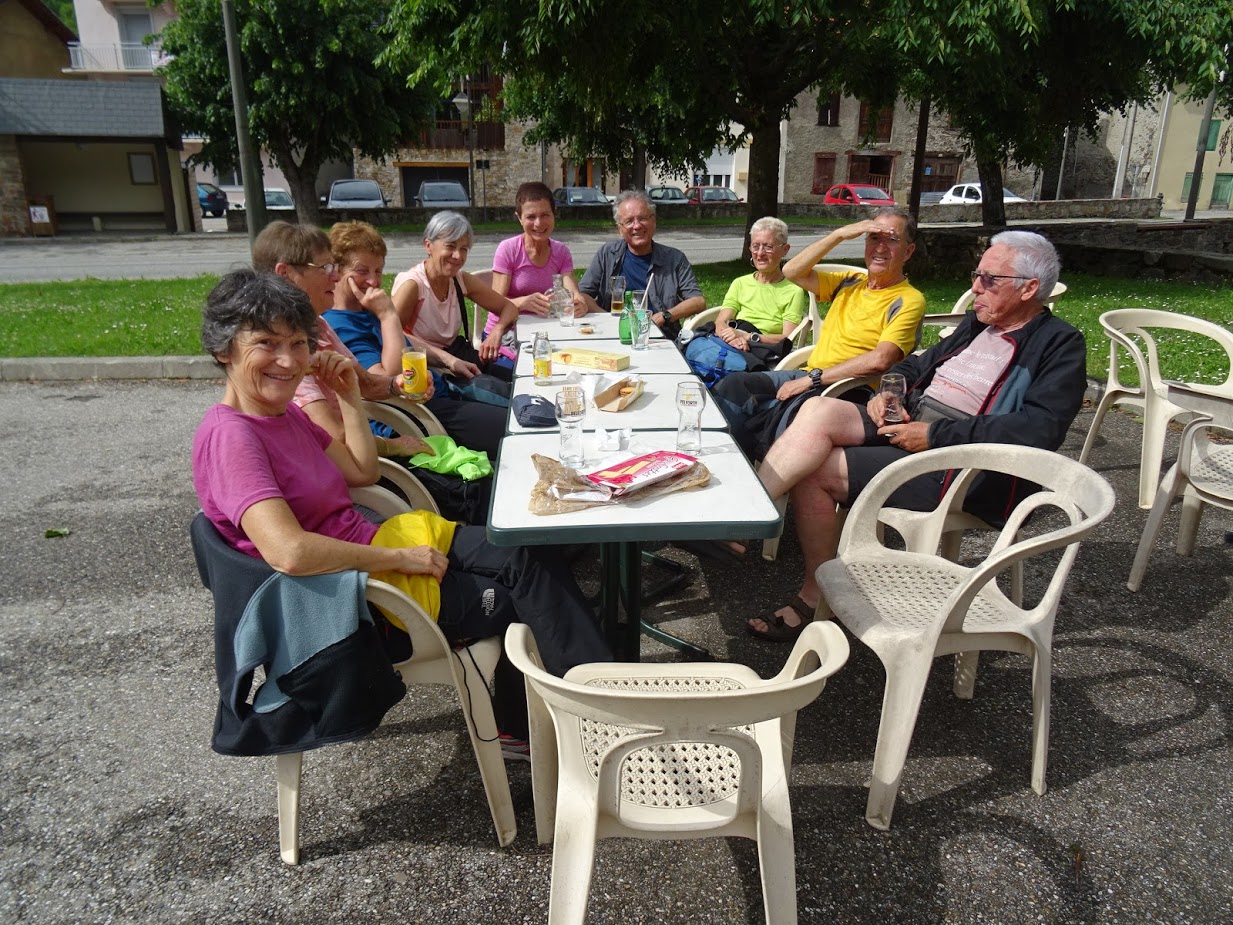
(463, 103)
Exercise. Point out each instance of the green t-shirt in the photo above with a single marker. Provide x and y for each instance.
(767, 306)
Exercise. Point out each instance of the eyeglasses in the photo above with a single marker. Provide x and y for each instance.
(990, 280)
(880, 237)
(635, 220)
(761, 248)
(326, 268)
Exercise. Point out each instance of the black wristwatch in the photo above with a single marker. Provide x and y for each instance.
(755, 338)
(816, 375)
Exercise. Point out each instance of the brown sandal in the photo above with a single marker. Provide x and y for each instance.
(779, 631)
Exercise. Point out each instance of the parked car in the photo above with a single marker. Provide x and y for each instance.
(211, 199)
(355, 194)
(969, 193)
(667, 196)
(276, 200)
(579, 196)
(857, 194)
(710, 195)
(442, 194)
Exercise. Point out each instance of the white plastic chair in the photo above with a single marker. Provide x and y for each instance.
(911, 607)
(668, 751)
(433, 661)
(1203, 474)
(707, 314)
(426, 423)
(1129, 329)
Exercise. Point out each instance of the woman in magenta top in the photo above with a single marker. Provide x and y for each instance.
(275, 485)
(523, 266)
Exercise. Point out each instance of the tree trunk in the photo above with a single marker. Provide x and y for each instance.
(302, 178)
(638, 167)
(992, 208)
(918, 162)
(763, 177)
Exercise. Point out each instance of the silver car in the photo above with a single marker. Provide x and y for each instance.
(355, 194)
(442, 194)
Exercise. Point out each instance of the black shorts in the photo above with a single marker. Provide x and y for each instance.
(864, 462)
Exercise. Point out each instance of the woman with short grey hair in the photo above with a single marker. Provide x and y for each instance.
(430, 300)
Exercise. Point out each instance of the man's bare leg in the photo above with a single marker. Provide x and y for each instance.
(814, 499)
(821, 425)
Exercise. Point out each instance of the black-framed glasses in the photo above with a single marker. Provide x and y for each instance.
(990, 280)
(326, 268)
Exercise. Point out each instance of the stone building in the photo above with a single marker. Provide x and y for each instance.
(840, 139)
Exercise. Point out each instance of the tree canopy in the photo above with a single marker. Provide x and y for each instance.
(614, 78)
(1014, 76)
(314, 92)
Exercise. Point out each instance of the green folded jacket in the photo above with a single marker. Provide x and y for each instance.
(452, 458)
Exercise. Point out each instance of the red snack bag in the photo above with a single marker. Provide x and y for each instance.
(640, 471)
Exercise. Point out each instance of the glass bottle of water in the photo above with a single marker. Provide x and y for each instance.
(541, 358)
(562, 301)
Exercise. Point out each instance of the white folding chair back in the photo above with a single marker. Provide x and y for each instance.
(910, 607)
(1130, 330)
(668, 751)
(1203, 474)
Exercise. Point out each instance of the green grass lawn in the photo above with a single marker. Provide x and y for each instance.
(162, 317)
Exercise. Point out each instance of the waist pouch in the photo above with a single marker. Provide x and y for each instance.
(929, 410)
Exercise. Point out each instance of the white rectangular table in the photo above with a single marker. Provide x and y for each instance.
(661, 356)
(603, 326)
(654, 409)
(733, 505)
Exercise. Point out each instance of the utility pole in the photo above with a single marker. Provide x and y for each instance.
(1196, 179)
(250, 171)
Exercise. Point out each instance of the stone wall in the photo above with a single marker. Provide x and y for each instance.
(14, 219)
(1200, 251)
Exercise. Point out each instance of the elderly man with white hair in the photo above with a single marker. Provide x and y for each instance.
(1011, 373)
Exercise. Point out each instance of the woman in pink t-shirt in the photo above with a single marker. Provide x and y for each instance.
(275, 486)
(523, 266)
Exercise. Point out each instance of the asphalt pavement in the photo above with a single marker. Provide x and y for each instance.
(142, 256)
(114, 809)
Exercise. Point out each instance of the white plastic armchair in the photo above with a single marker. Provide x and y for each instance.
(1203, 474)
(1130, 330)
(911, 607)
(707, 314)
(668, 751)
(404, 412)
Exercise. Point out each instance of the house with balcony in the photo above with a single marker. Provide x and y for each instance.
(445, 150)
(114, 37)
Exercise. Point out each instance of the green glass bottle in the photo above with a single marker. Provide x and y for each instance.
(627, 314)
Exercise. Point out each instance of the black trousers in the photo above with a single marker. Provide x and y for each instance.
(486, 588)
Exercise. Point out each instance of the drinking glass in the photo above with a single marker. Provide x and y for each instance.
(571, 408)
(618, 294)
(894, 388)
(690, 400)
(641, 328)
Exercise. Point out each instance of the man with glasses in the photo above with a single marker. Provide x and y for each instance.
(872, 324)
(674, 293)
(1010, 373)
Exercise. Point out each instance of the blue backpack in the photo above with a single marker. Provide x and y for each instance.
(712, 359)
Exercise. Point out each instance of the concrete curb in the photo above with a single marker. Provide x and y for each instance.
(44, 369)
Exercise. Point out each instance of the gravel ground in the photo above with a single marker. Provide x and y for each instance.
(114, 809)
